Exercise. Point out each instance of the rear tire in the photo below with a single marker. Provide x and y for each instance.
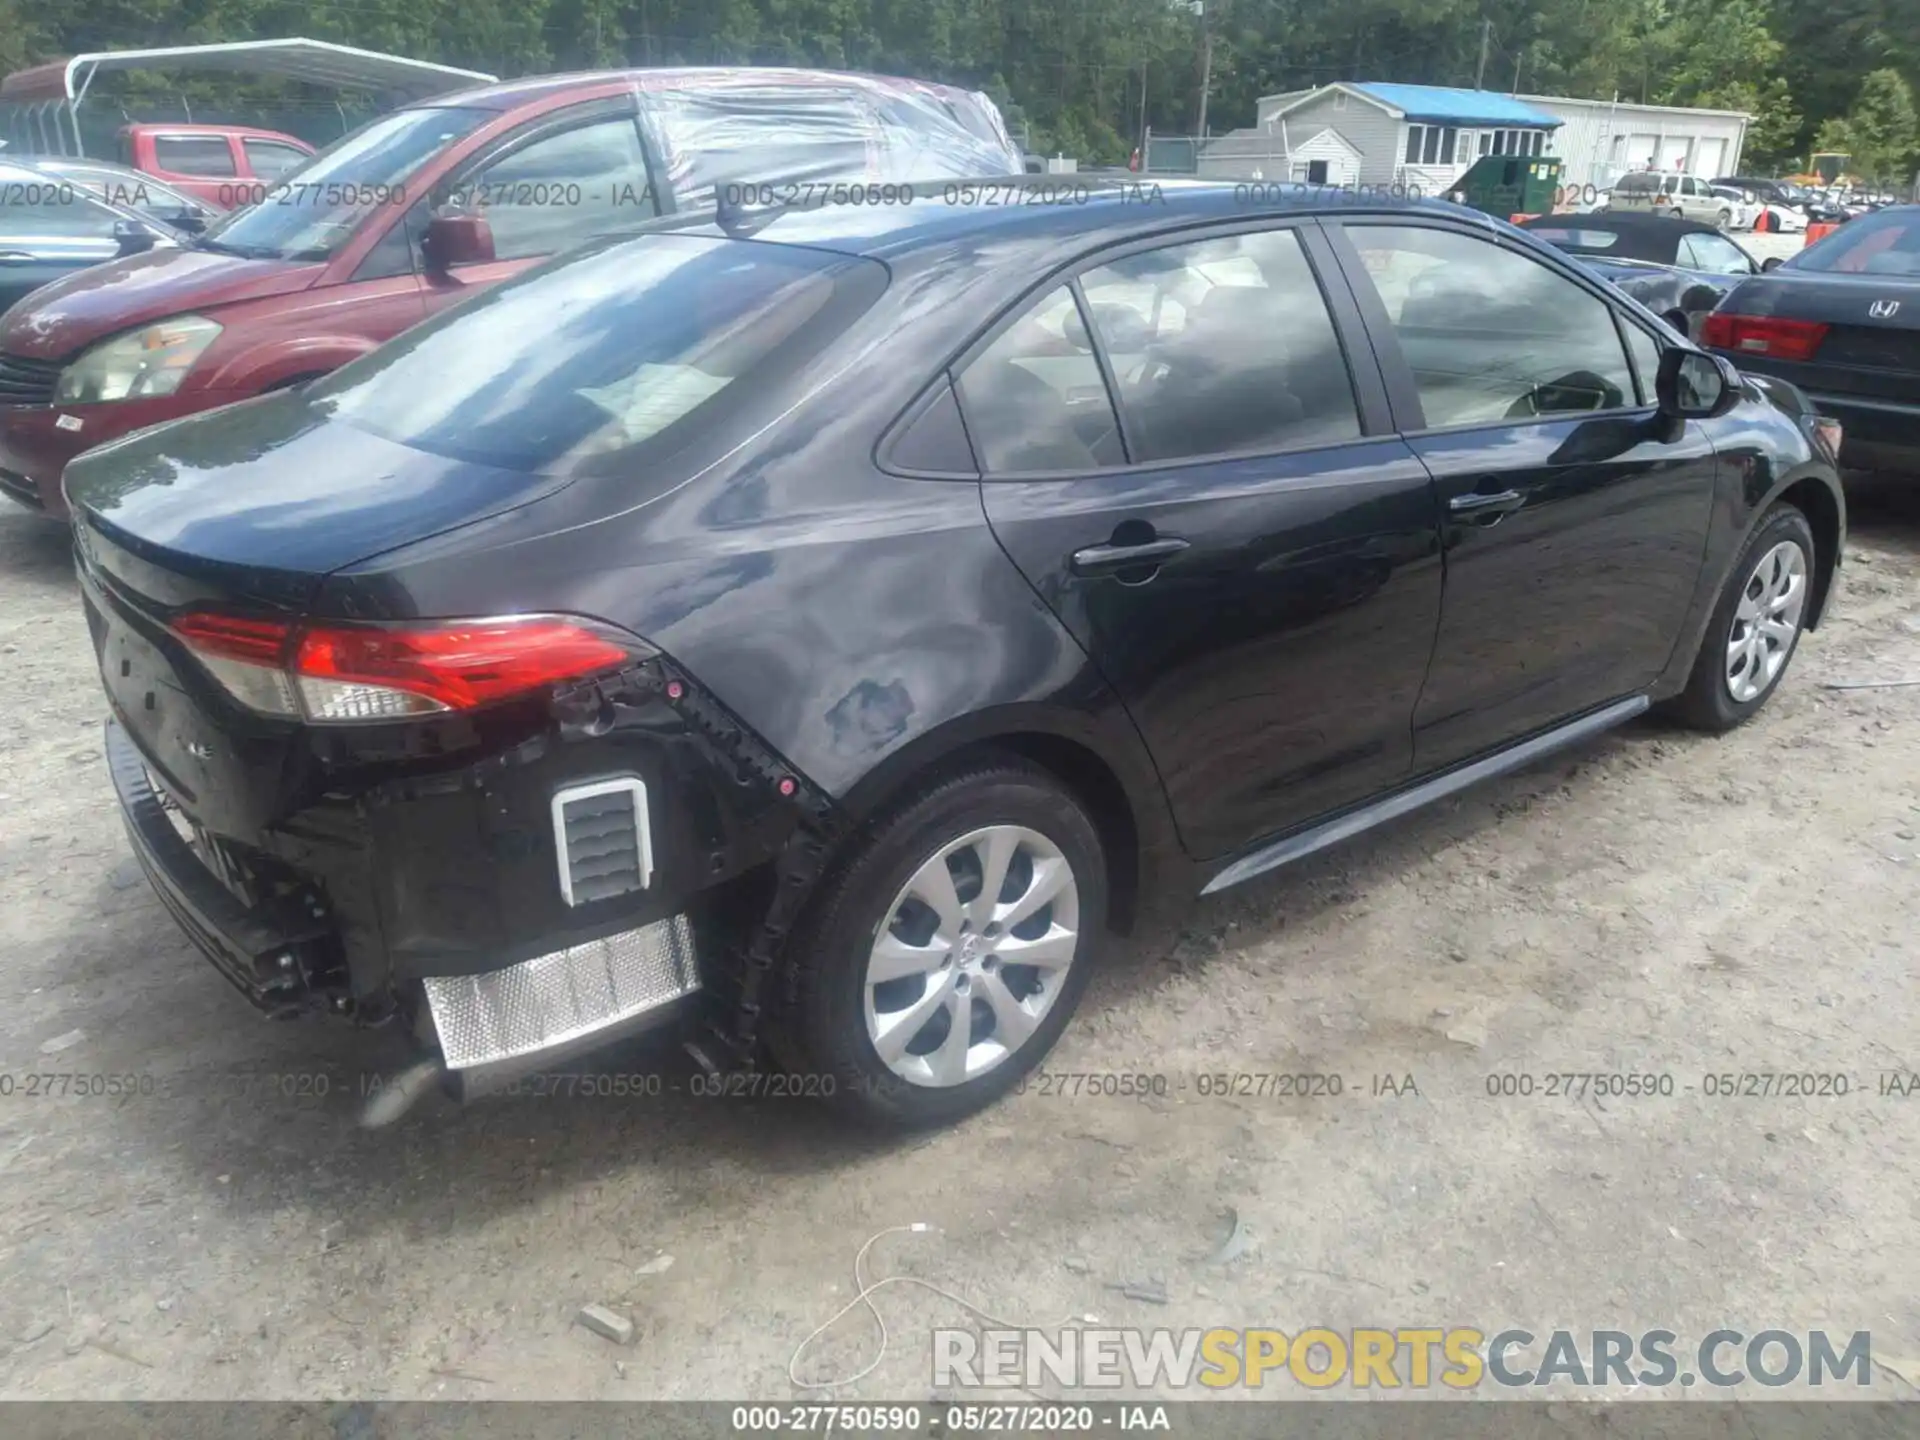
(878, 981)
(1755, 628)
(1724, 220)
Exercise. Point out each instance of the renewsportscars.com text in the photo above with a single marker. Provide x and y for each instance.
(1458, 1358)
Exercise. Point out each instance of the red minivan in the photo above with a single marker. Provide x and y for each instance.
(429, 204)
(224, 165)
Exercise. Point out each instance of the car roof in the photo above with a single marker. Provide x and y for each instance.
(510, 94)
(1036, 211)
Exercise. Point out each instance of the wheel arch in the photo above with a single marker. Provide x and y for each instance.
(1814, 498)
(1111, 778)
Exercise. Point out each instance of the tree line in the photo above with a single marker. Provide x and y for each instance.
(1086, 77)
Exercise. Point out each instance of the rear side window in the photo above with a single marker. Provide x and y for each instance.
(193, 154)
(1035, 399)
(31, 209)
(621, 351)
(1492, 335)
(270, 159)
(1223, 346)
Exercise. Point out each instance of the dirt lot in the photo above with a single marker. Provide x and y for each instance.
(1657, 903)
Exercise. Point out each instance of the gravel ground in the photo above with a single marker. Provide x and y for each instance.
(1657, 902)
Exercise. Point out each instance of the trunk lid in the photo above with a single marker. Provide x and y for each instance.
(245, 509)
(1872, 345)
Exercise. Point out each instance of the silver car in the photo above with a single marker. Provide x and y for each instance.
(1668, 192)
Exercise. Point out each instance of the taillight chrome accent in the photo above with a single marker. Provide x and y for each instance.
(327, 673)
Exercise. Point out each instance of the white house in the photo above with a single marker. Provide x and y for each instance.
(1377, 133)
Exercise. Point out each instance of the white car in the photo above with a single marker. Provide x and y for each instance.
(1787, 220)
(1746, 208)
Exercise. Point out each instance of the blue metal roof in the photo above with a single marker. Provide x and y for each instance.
(1457, 107)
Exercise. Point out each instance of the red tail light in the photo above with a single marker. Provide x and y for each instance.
(346, 673)
(1763, 335)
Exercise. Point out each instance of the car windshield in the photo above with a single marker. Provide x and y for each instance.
(1886, 242)
(310, 211)
(576, 365)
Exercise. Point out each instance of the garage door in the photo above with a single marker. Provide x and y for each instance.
(1673, 153)
(1710, 157)
(1640, 152)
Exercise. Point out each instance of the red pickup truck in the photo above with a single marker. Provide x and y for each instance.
(429, 204)
(224, 165)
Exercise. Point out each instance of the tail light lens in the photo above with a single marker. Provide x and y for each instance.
(1763, 335)
(343, 674)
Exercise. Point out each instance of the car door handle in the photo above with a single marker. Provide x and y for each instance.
(1477, 503)
(1100, 559)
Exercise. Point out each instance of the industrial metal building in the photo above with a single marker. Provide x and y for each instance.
(1600, 140)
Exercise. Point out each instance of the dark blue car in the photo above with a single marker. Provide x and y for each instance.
(51, 225)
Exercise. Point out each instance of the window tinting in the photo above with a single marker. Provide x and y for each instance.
(1035, 399)
(1491, 334)
(193, 154)
(1221, 346)
(592, 363)
(561, 189)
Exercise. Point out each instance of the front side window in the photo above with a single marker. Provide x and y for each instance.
(1491, 334)
(193, 154)
(595, 362)
(1035, 399)
(1222, 346)
(561, 189)
(310, 211)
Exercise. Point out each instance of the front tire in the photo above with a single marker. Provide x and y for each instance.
(1755, 628)
(946, 951)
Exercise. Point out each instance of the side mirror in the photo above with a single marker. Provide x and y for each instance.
(453, 240)
(1772, 262)
(189, 222)
(131, 237)
(1693, 385)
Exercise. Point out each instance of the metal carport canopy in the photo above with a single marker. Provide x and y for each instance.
(319, 62)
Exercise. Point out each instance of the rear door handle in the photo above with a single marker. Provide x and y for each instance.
(1100, 559)
(1477, 503)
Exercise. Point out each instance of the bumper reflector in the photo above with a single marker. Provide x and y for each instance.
(585, 993)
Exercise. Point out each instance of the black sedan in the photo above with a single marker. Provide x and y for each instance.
(1679, 269)
(1842, 320)
(51, 226)
(824, 627)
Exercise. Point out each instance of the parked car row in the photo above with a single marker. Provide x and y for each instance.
(423, 207)
(817, 617)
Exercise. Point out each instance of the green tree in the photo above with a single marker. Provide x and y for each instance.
(1881, 129)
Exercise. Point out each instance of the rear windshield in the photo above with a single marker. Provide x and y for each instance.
(1884, 244)
(1639, 182)
(310, 211)
(577, 366)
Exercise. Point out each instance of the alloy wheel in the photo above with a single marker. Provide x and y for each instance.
(971, 955)
(1766, 622)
